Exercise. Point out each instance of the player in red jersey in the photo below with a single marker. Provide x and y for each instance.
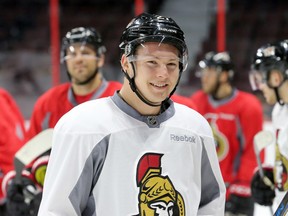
(83, 55)
(235, 117)
(184, 100)
(11, 138)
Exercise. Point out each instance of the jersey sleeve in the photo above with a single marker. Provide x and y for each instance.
(212, 203)
(35, 120)
(15, 111)
(60, 196)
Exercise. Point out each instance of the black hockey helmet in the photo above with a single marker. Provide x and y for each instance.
(154, 28)
(221, 61)
(85, 36)
(271, 56)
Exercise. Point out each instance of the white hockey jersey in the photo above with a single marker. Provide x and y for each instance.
(280, 124)
(108, 160)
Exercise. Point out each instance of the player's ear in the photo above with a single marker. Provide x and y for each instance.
(101, 60)
(126, 65)
(124, 62)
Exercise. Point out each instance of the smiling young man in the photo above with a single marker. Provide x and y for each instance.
(136, 152)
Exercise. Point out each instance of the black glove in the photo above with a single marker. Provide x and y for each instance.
(15, 204)
(238, 205)
(20, 193)
(262, 193)
(35, 204)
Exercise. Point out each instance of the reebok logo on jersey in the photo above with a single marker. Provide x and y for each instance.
(182, 138)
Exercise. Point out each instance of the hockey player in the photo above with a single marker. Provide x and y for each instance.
(136, 151)
(235, 117)
(83, 55)
(11, 139)
(270, 76)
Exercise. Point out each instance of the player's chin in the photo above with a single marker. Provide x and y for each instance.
(159, 98)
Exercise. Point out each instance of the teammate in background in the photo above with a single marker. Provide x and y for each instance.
(83, 54)
(137, 150)
(270, 76)
(235, 117)
(11, 139)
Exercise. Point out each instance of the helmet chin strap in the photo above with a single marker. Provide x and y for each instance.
(134, 88)
(279, 100)
(136, 91)
(276, 90)
(215, 90)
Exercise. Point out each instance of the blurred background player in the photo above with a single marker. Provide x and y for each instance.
(11, 139)
(235, 117)
(83, 54)
(269, 74)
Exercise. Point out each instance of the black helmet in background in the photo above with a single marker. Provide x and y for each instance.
(85, 36)
(272, 56)
(221, 61)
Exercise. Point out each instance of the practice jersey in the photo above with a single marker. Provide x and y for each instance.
(12, 134)
(107, 159)
(280, 124)
(234, 121)
(15, 111)
(53, 104)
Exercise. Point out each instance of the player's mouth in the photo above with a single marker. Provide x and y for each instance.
(160, 86)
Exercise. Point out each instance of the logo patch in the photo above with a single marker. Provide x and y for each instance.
(157, 194)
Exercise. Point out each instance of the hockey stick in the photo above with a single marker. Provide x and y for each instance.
(261, 140)
(32, 149)
(282, 209)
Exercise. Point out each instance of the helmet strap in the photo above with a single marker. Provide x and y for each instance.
(135, 90)
(216, 89)
(279, 100)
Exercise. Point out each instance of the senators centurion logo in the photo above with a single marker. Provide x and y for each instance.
(157, 194)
